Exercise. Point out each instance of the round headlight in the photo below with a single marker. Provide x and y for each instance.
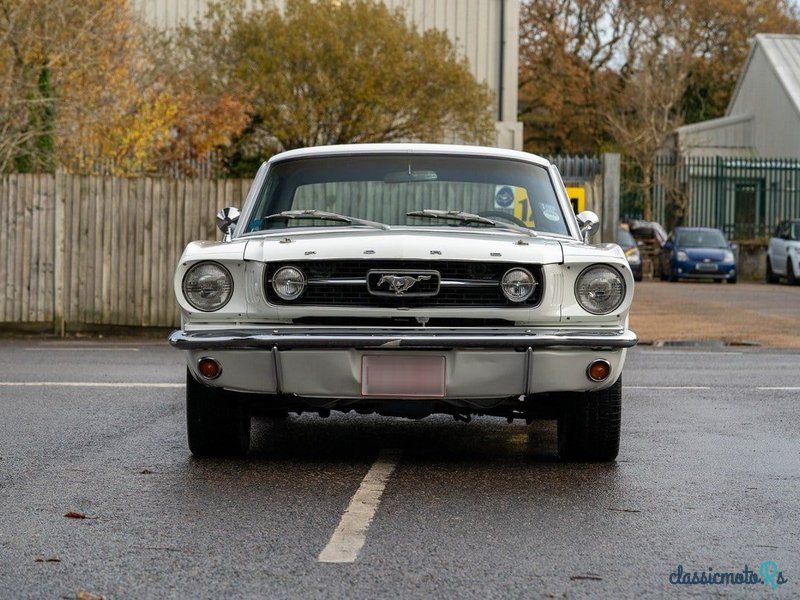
(518, 285)
(207, 286)
(600, 290)
(289, 283)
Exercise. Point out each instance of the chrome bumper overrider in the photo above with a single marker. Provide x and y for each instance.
(319, 338)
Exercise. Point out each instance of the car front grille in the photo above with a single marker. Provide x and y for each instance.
(437, 283)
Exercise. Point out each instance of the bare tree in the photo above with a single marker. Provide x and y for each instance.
(647, 107)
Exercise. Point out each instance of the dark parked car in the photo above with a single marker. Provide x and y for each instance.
(631, 249)
(644, 231)
(650, 237)
(698, 253)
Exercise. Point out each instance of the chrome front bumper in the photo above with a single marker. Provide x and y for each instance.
(480, 363)
(295, 338)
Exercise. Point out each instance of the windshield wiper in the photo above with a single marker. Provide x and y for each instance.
(465, 217)
(325, 216)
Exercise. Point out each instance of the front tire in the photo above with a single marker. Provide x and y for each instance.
(791, 278)
(217, 421)
(771, 277)
(589, 425)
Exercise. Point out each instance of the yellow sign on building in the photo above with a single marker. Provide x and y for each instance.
(577, 197)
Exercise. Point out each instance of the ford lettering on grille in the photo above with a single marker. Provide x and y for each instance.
(405, 283)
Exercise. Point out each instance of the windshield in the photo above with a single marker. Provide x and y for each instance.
(701, 239)
(384, 189)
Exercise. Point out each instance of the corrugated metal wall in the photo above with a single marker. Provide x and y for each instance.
(171, 13)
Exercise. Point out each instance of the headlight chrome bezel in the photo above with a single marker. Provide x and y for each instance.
(225, 273)
(519, 299)
(623, 289)
(303, 283)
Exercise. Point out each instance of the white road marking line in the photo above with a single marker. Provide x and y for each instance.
(348, 538)
(787, 389)
(689, 352)
(80, 349)
(666, 387)
(88, 384)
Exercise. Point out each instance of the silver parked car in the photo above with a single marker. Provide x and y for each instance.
(783, 254)
(405, 280)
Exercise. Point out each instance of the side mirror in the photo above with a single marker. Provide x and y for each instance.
(589, 223)
(733, 247)
(226, 219)
(668, 245)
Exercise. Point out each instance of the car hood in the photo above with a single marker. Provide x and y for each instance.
(715, 254)
(434, 244)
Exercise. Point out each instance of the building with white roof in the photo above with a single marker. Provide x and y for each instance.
(763, 116)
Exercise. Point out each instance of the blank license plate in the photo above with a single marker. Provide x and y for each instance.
(399, 376)
(707, 267)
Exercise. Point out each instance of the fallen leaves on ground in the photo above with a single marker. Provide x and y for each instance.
(76, 515)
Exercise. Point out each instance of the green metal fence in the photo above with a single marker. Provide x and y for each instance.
(745, 197)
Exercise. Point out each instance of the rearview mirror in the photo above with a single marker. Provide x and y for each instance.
(410, 176)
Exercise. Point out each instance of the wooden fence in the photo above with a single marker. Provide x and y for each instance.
(77, 251)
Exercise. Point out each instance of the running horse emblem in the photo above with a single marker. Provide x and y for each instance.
(400, 284)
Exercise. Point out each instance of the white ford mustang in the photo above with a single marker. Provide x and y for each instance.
(405, 280)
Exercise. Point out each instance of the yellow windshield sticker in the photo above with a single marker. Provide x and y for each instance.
(508, 198)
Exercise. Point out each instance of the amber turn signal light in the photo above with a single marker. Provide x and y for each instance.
(598, 370)
(209, 368)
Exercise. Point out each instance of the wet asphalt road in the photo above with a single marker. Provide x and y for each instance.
(708, 477)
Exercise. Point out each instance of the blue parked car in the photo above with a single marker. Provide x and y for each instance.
(698, 253)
